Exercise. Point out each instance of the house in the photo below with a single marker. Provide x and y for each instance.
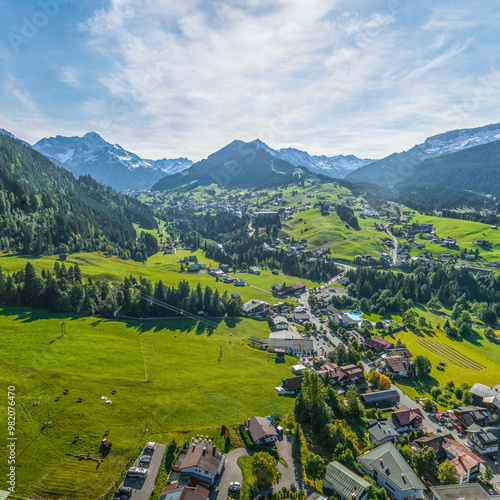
(300, 313)
(378, 398)
(381, 431)
(469, 415)
(225, 268)
(194, 267)
(407, 419)
(391, 471)
(483, 440)
(344, 281)
(403, 352)
(203, 461)
(292, 343)
(466, 463)
(261, 430)
(255, 307)
(473, 491)
(174, 492)
(240, 282)
(343, 376)
(254, 270)
(377, 344)
(280, 323)
(288, 290)
(343, 320)
(292, 385)
(397, 365)
(343, 483)
(235, 296)
(298, 369)
(434, 441)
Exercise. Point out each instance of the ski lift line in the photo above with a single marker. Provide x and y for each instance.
(177, 310)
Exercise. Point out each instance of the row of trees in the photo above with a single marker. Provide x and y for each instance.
(64, 290)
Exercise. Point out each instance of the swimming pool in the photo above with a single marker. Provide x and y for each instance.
(354, 315)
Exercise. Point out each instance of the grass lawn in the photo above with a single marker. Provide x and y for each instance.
(158, 267)
(169, 366)
(330, 231)
(468, 360)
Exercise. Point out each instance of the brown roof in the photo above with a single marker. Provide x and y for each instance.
(204, 455)
(435, 441)
(405, 353)
(397, 363)
(378, 344)
(405, 415)
(259, 427)
(464, 459)
(293, 383)
(352, 371)
(189, 494)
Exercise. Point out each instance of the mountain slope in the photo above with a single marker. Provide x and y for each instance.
(333, 166)
(395, 168)
(238, 165)
(107, 163)
(474, 169)
(44, 209)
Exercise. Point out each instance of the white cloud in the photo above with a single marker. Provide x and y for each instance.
(16, 90)
(70, 76)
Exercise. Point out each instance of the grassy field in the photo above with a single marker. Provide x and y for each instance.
(468, 360)
(465, 232)
(158, 267)
(330, 231)
(169, 366)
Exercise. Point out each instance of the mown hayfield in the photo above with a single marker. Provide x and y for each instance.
(169, 366)
(330, 231)
(468, 360)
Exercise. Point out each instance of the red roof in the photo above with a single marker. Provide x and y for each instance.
(464, 459)
(406, 415)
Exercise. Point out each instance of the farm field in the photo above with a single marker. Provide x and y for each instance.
(169, 366)
(467, 360)
(157, 267)
(331, 232)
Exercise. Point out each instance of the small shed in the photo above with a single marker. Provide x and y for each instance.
(107, 443)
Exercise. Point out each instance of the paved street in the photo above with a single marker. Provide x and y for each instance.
(289, 475)
(142, 488)
(230, 474)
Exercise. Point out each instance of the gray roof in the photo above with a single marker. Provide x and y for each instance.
(371, 397)
(381, 429)
(487, 435)
(344, 481)
(471, 491)
(390, 464)
(483, 391)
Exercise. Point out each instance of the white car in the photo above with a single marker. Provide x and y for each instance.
(235, 487)
(137, 472)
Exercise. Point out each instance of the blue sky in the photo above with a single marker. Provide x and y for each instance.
(185, 78)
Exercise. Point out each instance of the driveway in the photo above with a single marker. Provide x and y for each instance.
(142, 488)
(230, 473)
(289, 475)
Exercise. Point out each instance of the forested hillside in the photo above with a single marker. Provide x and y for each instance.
(45, 210)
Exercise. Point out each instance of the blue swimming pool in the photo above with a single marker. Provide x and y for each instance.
(354, 315)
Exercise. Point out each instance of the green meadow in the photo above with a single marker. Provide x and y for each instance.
(329, 231)
(171, 367)
(158, 267)
(465, 232)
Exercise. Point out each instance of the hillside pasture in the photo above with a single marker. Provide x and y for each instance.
(171, 367)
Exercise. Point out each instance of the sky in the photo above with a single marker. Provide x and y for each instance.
(185, 78)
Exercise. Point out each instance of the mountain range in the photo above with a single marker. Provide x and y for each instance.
(332, 166)
(107, 163)
(431, 162)
(237, 165)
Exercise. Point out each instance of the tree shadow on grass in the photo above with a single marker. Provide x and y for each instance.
(29, 315)
(422, 386)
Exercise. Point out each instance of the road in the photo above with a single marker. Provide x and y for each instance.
(142, 488)
(394, 251)
(231, 473)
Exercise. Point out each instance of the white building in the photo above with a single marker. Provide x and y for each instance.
(292, 343)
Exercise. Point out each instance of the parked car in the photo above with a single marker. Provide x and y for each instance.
(144, 459)
(150, 447)
(235, 487)
(137, 472)
(123, 492)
